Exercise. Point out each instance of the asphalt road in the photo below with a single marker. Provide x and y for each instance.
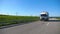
(39, 27)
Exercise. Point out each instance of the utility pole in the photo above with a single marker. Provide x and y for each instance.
(16, 17)
(16, 13)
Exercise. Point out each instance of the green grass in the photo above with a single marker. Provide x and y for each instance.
(9, 20)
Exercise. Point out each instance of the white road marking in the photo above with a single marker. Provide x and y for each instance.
(47, 24)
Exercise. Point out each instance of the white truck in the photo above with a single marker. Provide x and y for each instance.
(44, 16)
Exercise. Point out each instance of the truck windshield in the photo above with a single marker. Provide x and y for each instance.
(43, 15)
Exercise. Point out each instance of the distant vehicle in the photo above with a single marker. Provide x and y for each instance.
(44, 16)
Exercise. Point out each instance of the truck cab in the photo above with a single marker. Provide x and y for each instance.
(44, 16)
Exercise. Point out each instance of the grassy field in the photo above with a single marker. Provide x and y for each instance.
(9, 20)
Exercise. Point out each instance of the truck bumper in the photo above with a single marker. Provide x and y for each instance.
(43, 19)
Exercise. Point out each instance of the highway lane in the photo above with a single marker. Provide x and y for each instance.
(39, 27)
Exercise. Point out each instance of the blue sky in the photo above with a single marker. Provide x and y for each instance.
(29, 7)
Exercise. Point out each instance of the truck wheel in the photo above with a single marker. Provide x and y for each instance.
(46, 20)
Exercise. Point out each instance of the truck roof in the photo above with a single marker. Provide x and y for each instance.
(44, 12)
